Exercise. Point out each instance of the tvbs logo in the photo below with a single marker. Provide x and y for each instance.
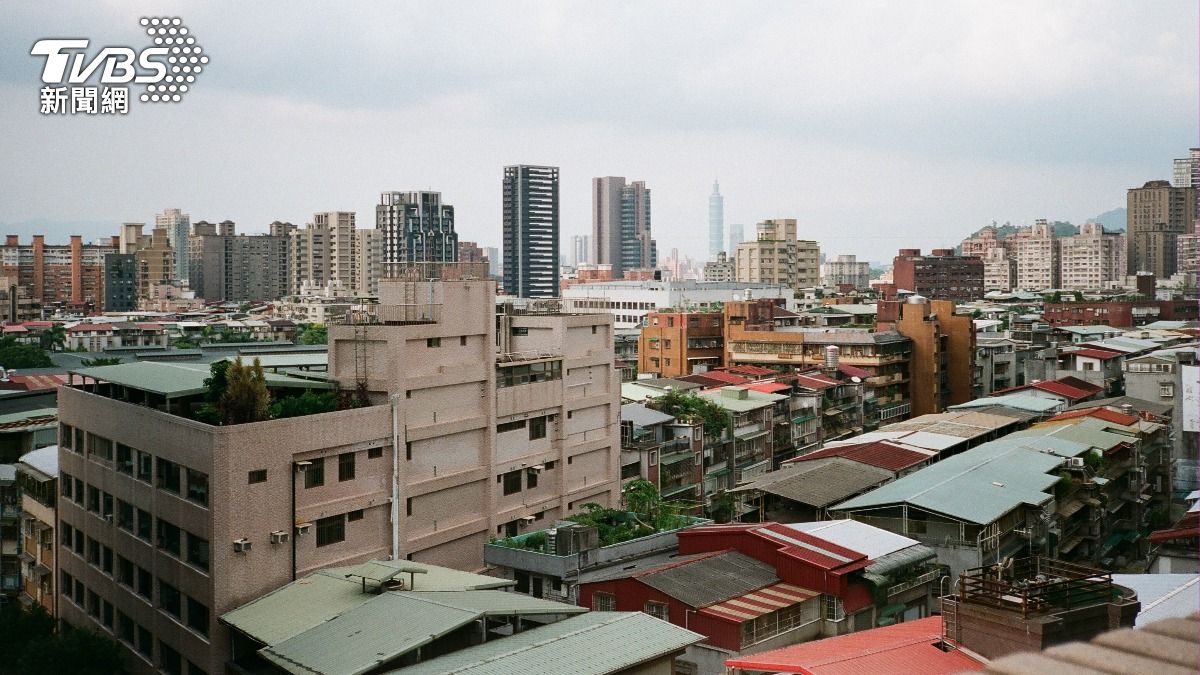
(167, 69)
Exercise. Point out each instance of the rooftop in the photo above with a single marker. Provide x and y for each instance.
(641, 416)
(323, 595)
(1138, 405)
(874, 542)
(908, 647)
(819, 484)
(741, 399)
(882, 454)
(43, 460)
(1026, 402)
(1163, 596)
(708, 579)
(981, 484)
(175, 380)
(596, 643)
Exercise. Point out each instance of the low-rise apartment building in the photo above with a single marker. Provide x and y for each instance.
(37, 477)
(462, 432)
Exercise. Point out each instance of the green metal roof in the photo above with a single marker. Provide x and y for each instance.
(323, 595)
(754, 400)
(392, 624)
(981, 484)
(1018, 401)
(173, 380)
(596, 643)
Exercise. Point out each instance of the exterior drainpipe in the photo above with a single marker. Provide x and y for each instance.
(395, 478)
(292, 531)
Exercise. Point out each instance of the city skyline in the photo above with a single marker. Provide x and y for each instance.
(1003, 142)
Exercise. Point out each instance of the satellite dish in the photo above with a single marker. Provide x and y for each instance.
(856, 379)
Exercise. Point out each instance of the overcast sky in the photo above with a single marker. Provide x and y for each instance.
(876, 125)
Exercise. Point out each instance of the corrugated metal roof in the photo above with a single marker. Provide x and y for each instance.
(179, 379)
(1163, 596)
(596, 643)
(323, 595)
(907, 647)
(1018, 401)
(980, 484)
(44, 460)
(641, 416)
(872, 541)
(882, 454)
(711, 579)
(395, 623)
(821, 482)
(763, 601)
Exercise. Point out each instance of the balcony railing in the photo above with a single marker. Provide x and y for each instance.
(394, 315)
(913, 583)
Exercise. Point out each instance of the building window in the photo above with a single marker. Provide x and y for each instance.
(531, 479)
(1166, 390)
(170, 599)
(346, 466)
(168, 475)
(433, 342)
(197, 616)
(603, 602)
(462, 341)
(106, 559)
(512, 482)
(98, 445)
(145, 525)
(125, 571)
(356, 514)
(169, 538)
(331, 530)
(197, 551)
(145, 461)
(169, 660)
(374, 453)
(197, 487)
(537, 428)
(256, 476)
(125, 516)
(145, 583)
(509, 426)
(93, 499)
(125, 629)
(657, 610)
(65, 436)
(106, 509)
(512, 376)
(145, 641)
(314, 475)
(124, 459)
(65, 482)
(408, 506)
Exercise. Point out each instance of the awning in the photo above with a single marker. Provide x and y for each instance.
(803, 418)
(893, 608)
(675, 457)
(760, 602)
(1070, 508)
(671, 492)
(898, 560)
(751, 435)
(830, 412)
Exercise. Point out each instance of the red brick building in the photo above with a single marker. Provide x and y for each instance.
(941, 275)
(71, 274)
(1119, 313)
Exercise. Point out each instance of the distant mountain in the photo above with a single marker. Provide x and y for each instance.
(1113, 221)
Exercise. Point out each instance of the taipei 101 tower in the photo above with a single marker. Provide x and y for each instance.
(716, 222)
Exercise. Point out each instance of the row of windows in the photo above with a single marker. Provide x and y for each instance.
(135, 635)
(164, 474)
(511, 480)
(332, 530)
(536, 426)
(168, 537)
(526, 373)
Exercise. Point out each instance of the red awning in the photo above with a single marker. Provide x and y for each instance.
(763, 601)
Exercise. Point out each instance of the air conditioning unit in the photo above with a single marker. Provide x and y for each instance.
(527, 519)
(302, 528)
(108, 518)
(1076, 462)
(241, 545)
(279, 537)
(537, 468)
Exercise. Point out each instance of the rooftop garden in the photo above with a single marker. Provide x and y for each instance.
(237, 393)
(689, 407)
(645, 513)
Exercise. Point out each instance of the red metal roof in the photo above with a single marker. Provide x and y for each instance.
(1071, 388)
(857, 597)
(1101, 354)
(907, 647)
(768, 387)
(89, 327)
(16, 329)
(150, 326)
(851, 371)
(33, 382)
(815, 381)
(812, 550)
(750, 370)
(879, 453)
(1099, 413)
(763, 601)
(727, 378)
(38, 324)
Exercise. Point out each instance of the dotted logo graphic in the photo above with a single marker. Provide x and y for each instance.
(185, 60)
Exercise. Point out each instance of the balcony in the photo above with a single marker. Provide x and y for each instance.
(913, 583)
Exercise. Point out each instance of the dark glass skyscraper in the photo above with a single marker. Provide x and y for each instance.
(417, 228)
(531, 231)
(621, 225)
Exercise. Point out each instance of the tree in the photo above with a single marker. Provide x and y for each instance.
(77, 651)
(15, 355)
(687, 407)
(99, 361)
(246, 397)
(315, 334)
(308, 403)
(54, 337)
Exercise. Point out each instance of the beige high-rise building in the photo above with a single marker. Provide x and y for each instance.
(1092, 259)
(721, 269)
(1157, 214)
(999, 270)
(155, 262)
(777, 257)
(331, 250)
(846, 270)
(1035, 249)
(480, 422)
